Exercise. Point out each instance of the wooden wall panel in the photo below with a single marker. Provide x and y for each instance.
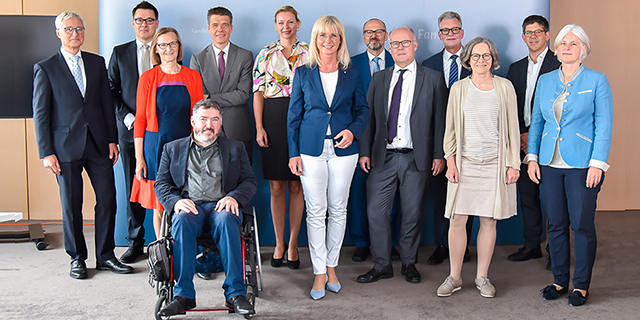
(44, 196)
(12, 7)
(613, 53)
(88, 9)
(13, 191)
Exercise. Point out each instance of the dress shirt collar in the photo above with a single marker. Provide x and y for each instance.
(447, 55)
(410, 68)
(225, 49)
(381, 56)
(67, 55)
(540, 56)
(192, 143)
(139, 44)
(573, 77)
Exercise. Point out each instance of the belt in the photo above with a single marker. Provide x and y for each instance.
(400, 150)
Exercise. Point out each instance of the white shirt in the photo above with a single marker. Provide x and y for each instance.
(217, 53)
(381, 62)
(403, 136)
(140, 45)
(67, 58)
(329, 85)
(533, 69)
(446, 64)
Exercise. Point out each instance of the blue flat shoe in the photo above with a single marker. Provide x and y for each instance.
(317, 294)
(334, 287)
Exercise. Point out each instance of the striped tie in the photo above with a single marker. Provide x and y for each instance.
(376, 64)
(77, 74)
(453, 70)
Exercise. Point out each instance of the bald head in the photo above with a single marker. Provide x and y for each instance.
(403, 46)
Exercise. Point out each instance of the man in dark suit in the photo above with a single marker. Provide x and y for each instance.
(448, 62)
(128, 61)
(226, 76)
(400, 148)
(524, 75)
(207, 181)
(76, 130)
(376, 58)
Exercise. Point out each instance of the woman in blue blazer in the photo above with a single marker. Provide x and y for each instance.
(327, 113)
(568, 147)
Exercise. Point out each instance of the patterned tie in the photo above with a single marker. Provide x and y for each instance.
(221, 65)
(453, 70)
(376, 64)
(77, 74)
(394, 110)
(146, 59)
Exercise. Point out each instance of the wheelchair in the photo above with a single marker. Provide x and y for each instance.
(250, 254)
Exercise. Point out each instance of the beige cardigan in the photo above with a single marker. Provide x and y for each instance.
(509, 139)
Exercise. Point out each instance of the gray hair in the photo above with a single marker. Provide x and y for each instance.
(206, 104)
(67, 15)
(468, 49)
(449, 15)
(374, 19)
(579, 32)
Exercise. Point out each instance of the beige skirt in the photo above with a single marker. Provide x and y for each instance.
(476, 195)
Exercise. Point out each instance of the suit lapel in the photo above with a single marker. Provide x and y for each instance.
(223, 147)
(388, 60)
(132, 60)
(213, 59)
(317, 85)
(418, 88)
(386, 83)
(181, 163)
(546, 63)
(66, 72)
(343, 81)
(231, 61)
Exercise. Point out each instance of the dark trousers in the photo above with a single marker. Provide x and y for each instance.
(100, 171)
(135, 212)
(529, 193)
(568, 202)
(224, 226)
(398, 173)
(438, 188)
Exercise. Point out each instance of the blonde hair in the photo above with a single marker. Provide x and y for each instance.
(286, 8)
(328, 23)
(579, 32)
(155, 57)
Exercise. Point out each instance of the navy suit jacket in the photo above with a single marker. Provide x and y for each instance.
(518, 76)
(238, 180)
(361, 62)
(123, 80)
(435, 62)
(310, 114)
(62, 117)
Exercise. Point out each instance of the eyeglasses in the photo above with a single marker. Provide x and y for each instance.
(163, 46)
(70, 30)
(485, 56)
(379, 32)
(139, 21)
(396, 44)
(455, 30)
(529, 33)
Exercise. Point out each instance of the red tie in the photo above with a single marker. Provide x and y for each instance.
(221, 65)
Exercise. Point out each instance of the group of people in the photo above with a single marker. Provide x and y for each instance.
(448, 126)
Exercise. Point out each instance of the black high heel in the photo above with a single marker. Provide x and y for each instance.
(277, 263)
(294, 264)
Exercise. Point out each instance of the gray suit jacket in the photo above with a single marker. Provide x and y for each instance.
(427, 117)
(233, 93)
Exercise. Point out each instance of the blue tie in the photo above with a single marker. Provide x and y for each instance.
(77, 74)
(453, 70)
(376, 64)
(394, 109)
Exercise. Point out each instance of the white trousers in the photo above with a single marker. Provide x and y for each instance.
(326, 180)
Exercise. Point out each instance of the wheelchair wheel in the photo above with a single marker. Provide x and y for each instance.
(163, 300)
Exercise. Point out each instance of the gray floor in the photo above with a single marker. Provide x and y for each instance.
(36, 285)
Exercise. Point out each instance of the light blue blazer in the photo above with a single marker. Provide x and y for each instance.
(584, 130)
(309, 113)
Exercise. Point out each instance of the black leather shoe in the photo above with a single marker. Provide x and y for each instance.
(294, 264)
(525, 254)
(240, 305)
(78, 269)
(114, 265)
(361, 254)
(438, 256)
(277, 263)
(395, 255)
(467, 256)
(411, 273)
(204, 275)
(552, 293)
(374, 275)
(178, 306)
(576, 298)
(131, 255)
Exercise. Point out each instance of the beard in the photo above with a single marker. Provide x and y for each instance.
(200, 135)
(375, 47)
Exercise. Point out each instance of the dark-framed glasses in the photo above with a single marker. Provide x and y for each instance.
(485, 56)
(70, 30)
(163, 46)
(446, 31)
(139, 21)
(379, 32)
(396, 44)
(529, 33)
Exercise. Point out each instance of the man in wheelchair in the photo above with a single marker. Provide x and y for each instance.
(206, 180)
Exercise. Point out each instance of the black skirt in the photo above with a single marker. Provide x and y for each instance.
(275, 158)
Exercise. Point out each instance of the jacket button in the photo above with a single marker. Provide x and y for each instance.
(568, 93)
(565, 110)
(569, 84)
(329, 113)
(561, 139)
(565, 100)
(563, 120)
